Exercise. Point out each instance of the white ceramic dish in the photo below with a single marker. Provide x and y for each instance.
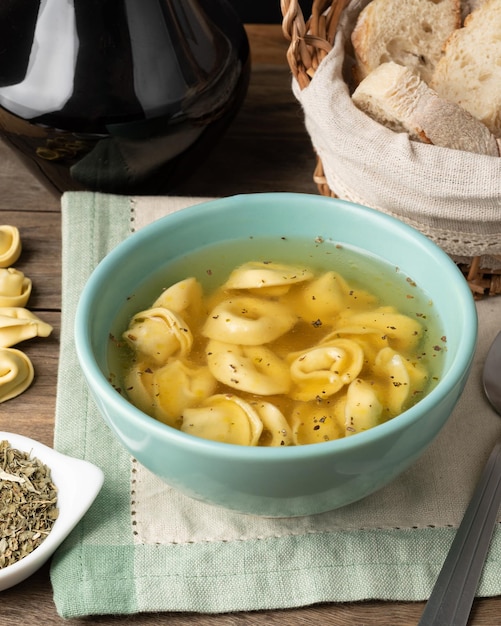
(78, 483)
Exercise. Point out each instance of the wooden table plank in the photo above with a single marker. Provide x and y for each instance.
(266, 149)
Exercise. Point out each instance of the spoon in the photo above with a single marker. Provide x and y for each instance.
(452, 596)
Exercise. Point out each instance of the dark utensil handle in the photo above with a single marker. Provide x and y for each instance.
(454, 591)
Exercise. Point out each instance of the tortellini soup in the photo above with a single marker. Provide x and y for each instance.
(278, 355)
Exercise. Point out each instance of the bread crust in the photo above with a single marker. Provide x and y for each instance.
(409, 32)
(469, 73)
(399, 99)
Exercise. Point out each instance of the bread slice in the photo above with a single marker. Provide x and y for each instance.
(469, 73)
(467, 6)
(409, 32)
(395, 96)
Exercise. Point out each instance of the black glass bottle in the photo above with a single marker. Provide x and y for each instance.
(118, 96)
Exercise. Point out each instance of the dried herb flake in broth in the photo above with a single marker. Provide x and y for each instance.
(28, 504)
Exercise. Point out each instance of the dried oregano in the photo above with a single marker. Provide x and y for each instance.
(28, 504)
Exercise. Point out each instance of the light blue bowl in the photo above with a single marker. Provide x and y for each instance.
(288, 481)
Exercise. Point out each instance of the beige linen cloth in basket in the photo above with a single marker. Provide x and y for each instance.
(453, 197)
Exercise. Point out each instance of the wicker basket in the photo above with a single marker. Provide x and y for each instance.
(310, 42)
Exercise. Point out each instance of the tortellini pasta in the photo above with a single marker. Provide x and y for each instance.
(254, 369)
(314, 422)
(179, 385)
(184, 298)
(15, 288)
(139, 387)
(10, 245)
(225, 418)
(269, 278)
(16, 322)
(158, 334)
(168, 390)
(398, 378)
(230, 419)
(277, 356)
(328, 295)
(362, 409)
(276, 430)
(16, 373)
(402, 332)
(371, 340)
(324, 369)
(248, 321)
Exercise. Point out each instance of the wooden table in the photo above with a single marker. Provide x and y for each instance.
(266, 149)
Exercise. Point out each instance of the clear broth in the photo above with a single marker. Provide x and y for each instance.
(211, 266)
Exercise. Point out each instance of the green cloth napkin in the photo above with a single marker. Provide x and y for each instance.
(187, 556)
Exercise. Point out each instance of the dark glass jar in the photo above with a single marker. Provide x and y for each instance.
(118, 96)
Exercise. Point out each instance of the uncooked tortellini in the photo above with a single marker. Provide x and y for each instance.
(15, 288)
(277, 356)
(18, 324)
(16, 373)
(10, 245)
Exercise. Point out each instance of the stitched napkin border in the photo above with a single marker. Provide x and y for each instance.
(101, 569)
